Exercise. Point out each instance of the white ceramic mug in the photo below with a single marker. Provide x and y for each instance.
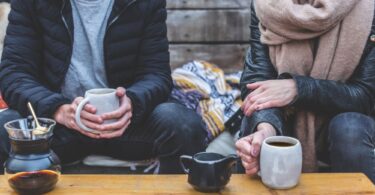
(280, 166)
(104, 100)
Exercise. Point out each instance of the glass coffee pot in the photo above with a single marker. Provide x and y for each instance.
(32, 167)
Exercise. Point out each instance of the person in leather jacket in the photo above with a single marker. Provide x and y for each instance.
(346, 141)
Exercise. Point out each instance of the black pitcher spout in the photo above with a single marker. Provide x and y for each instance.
(230, 160)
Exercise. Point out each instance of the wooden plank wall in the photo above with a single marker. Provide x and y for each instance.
(212, 30)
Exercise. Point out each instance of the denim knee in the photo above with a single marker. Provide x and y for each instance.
(183, 125)
(349, 131)
(350, 128)
(179, 120)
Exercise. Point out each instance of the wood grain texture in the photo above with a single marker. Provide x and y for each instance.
(229, 57)
(208, 26)
(208, 4)
(177, 184)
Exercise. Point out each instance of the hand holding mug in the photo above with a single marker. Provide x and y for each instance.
(65, 115)
(122, 116)
(248, 148)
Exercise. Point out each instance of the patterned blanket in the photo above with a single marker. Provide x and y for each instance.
(204, 88)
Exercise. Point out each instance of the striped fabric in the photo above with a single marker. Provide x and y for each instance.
(205, 88)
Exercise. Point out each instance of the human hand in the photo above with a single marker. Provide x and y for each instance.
(123, 116)
(269, 94)
(65, 115)
(248, 148)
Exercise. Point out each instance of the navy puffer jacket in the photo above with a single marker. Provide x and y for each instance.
(38, 49)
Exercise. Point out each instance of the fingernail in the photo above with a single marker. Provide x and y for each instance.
(255, 153)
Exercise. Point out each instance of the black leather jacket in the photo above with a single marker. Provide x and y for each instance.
(320, 96)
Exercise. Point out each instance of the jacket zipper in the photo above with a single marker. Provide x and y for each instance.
(106, 31)
(65, 23)
(70, 38)
(118, 15)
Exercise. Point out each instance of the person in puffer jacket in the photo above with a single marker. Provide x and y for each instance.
(55, 50)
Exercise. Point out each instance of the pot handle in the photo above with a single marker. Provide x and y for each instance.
(186, 162)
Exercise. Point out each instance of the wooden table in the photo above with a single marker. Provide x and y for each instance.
(176, 184)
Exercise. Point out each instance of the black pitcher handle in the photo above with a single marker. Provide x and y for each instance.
(186, 162)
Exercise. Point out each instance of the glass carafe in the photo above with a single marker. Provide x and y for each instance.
(32, 167)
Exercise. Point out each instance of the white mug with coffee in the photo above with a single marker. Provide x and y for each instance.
(280, 162)
(104, 100)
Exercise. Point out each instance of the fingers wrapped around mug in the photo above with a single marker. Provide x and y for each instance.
(251, 168)
(118, 128)
(88, 116)
(243, 145)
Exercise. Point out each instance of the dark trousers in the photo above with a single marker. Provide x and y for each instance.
(350, 144)
(170, 131)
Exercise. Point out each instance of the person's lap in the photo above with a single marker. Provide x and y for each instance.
(169, 131)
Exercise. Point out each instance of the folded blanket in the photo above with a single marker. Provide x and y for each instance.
(204, 88)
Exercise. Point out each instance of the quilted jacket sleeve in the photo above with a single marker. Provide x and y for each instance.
(153, 82)
(20, 69)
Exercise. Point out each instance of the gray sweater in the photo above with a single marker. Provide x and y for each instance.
(87, 68)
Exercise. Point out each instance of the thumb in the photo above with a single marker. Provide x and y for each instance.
(120, 91)
(256, 144)
(253, 86)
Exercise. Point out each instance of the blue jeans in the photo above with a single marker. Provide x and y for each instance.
(352, 144)
(170, 131)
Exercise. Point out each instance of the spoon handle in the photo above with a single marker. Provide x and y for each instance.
(33, 113)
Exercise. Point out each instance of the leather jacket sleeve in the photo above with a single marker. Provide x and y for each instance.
(355, 95)
(258, 67)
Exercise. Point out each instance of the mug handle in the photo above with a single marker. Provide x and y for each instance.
(78, 115)
(186, 162)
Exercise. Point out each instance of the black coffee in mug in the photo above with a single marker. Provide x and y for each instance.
(281, 144)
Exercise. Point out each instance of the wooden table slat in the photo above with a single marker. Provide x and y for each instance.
(177, 184)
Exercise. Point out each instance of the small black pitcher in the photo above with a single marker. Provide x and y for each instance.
(208, 172)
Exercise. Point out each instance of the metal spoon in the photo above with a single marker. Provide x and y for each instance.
(39, 129)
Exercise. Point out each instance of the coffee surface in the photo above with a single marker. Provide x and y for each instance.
(281, 144)
(37, 182)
